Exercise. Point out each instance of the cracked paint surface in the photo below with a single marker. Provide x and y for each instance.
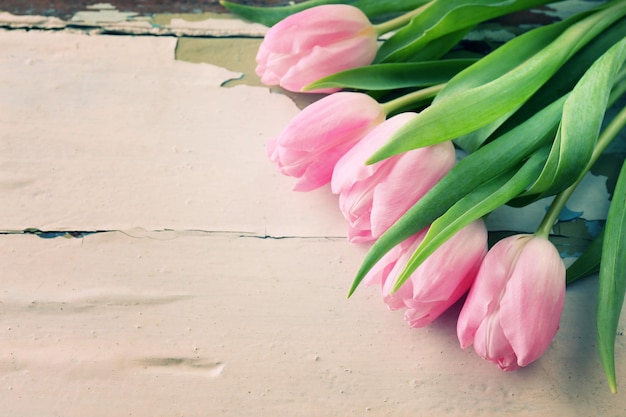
(105, 18)
(67, 8)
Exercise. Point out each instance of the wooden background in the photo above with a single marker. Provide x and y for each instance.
(155, 264)
(67, 8)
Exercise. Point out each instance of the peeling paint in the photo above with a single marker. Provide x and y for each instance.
(234, 55)
(215, 23)
(105, 18)
(165, 19)
(102, 13)
(237, 55)
(10, 21)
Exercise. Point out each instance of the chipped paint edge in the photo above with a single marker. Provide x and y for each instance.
(105, 18)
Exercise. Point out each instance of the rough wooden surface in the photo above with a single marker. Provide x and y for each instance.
(67, 8)
(212, 289)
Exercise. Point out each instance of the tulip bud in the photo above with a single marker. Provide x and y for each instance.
(373, 197)
(312, 143)
(440, 281)
(315, 43)
(513, 309)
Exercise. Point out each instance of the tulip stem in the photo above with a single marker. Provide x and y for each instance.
(398, 22)
(423, 95)
(609, 133)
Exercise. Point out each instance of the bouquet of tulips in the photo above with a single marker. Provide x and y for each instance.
(421, 142)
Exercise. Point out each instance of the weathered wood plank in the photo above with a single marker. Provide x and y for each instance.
(112, 133)
(67, 8)
(193, 324)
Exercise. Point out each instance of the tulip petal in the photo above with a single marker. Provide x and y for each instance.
(319, 169)
(400, 256)
(322, 61)
(513, 310)
(335, 118)
(446, 275)
(315, 43)
(352, 168)
(312, 143)
(413, 174)
(373, 197)
(380, 271)
(491, 281)
(437, 284)
(453, 266)
(491, 344)
(530, 309)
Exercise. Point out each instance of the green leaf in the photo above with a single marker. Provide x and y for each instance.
(619, 89)
(492, 160)
(476, 204)
(269, 16)
(394, 75)
(504, 59)
(440, 46)
(561, 83)
(583, 114)
(612, 279)
(465, 111)
(374, 8)
(442, 18)
(588, 263)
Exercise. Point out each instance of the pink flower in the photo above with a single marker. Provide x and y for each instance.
(513, 310)
(314, 140)
(437, 283)
(315, 43)
(373, 197)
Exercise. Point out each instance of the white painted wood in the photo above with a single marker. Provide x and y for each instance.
(183, 311)
(106, 132)
(195, 324)
(109, 20)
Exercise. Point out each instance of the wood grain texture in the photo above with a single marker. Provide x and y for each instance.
(216, 290)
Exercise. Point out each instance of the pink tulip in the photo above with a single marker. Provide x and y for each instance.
(513, 310)
(373, 197)
(314, 140)
(315, 43)
(443, 278)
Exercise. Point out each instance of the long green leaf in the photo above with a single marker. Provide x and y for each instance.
(394, 75)
(561, 83)
(612, 279)
(476, 204)
(619, 89)
(504, 59)
(468, 110)
(440, 46)
(583, 113)
(470, 172)
(441, 18)
(269, 16)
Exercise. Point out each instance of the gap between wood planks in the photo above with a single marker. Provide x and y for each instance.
(163, 234)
